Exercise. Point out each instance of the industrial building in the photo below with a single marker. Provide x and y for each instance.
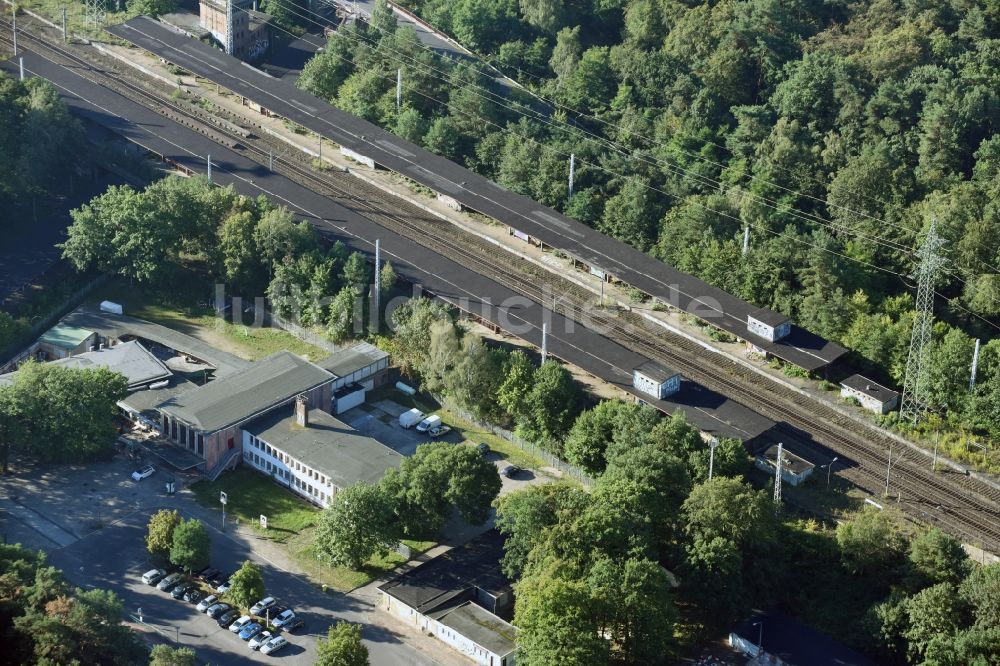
(460, 597)
(872, 396)
(312, 453)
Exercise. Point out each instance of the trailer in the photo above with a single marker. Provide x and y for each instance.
(411, 418)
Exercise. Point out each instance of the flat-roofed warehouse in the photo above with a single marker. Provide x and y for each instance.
(551, 228)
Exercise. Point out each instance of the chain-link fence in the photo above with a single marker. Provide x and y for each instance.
(523, 444)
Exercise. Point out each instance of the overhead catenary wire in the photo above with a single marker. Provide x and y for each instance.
(501, 100)
(462, 185)
(695, 155)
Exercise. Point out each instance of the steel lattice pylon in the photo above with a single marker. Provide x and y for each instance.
(913, 404)
(95, 12)
(230, 20)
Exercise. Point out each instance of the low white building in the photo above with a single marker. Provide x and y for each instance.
(873, 397)
(656, 380)
(312, 453)
(768, 324)
(794, 469)
(458, 597)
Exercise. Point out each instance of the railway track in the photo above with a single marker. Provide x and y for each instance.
(955, 506)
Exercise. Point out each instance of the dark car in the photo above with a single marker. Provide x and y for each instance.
(193, 595)
(218, 609)
(228, 618)
(483, 449)
(510, 471)
(201, 572)
(274, 611)
(182, 589)
(296, 624)
(206, 574)
(218, 578)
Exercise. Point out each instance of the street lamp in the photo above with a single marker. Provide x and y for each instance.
(760, 637)
(829, 468)
(714, 442)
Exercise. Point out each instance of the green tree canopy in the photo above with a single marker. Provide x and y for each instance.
(358, 524)
(246, 585)
(190, 547)
(342, 646)
(160, 531)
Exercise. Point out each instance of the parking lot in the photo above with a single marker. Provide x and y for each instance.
(92, 521)
(380, 420)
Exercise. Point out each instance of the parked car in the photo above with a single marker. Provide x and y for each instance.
(281, 619)
(440, 431)
(227, 618)
(207, 603)
(143, 473)
(483, 448)
(251, 630)
(193, 595)
(273, 645)
(223, 587)
(153, 576)
(262, 605)
(168, 582)
(207, 573)
(510, 471)
(216, 579)
(238, 625)
(259, 640)
(180, 590)
(296, 624)
(218, 609)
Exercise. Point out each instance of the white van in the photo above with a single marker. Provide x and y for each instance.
(429, 423)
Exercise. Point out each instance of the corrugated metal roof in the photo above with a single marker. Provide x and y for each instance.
(482, 628)
(129, 358)
(230, 400)
(349, 360)
(65, 337)
(327, 444)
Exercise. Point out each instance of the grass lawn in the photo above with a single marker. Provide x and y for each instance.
(201, 322)
(250, 495)
(76, 17)
(291, 522)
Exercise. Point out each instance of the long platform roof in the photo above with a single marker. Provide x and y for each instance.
(440, 275)
(801, 347)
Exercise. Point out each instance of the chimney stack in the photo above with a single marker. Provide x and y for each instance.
(302, 411)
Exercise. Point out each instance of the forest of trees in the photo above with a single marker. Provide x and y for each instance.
(38, 139)
(835, 131)
(44, 620)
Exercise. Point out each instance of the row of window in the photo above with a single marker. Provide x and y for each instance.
(292, 463)
(286, 476)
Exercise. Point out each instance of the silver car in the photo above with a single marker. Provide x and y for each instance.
(169, 581)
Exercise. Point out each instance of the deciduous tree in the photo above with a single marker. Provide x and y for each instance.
(358, 524)
(190, 545)
(160, 531)
(342, 646)
(247, 585)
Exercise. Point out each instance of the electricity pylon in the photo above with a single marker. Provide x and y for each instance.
(914, 404)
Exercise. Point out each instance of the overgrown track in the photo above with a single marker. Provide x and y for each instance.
(962, 506)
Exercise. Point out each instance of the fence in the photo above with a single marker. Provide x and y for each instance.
(303, 334)
(523, 444)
